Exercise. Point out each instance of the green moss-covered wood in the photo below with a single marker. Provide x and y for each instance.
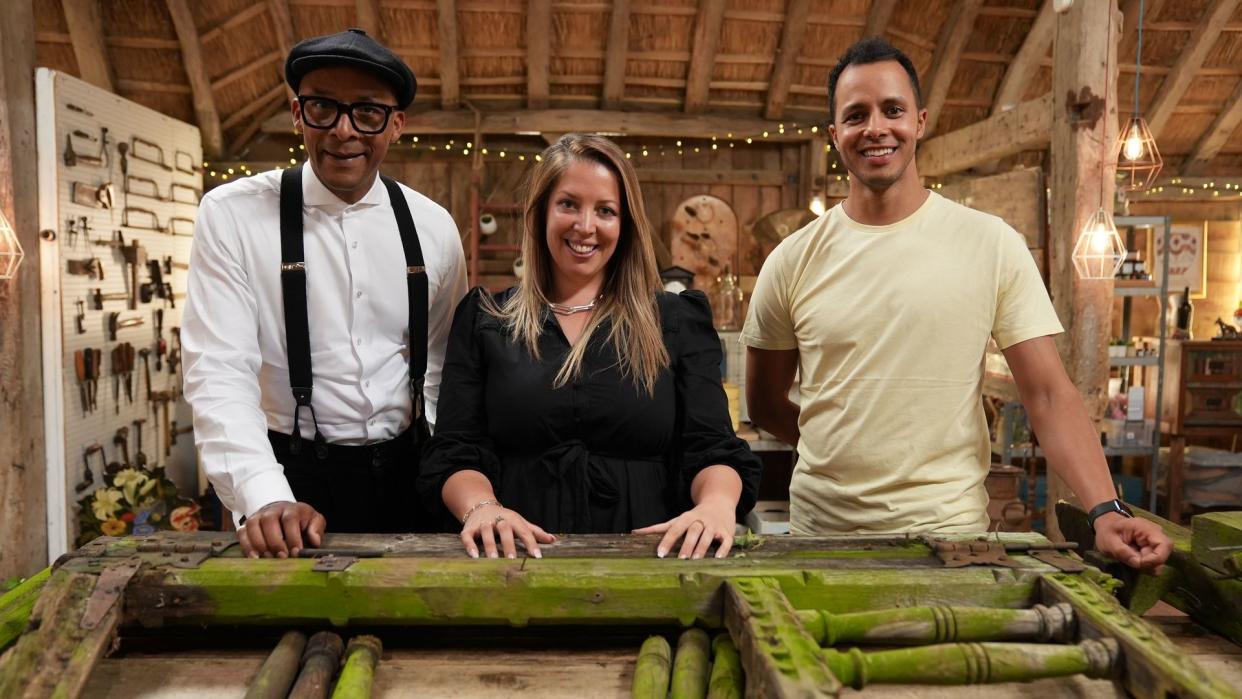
(727, 680)
(362, 655)
(16, 606)
(279, 669)
(922, 625)
(780, 658)
(691, 665)
(320, 661)
(651, 672)
(973, 663)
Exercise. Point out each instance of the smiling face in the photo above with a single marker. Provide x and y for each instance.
(583, 226)
(877, 124)
(344, 160)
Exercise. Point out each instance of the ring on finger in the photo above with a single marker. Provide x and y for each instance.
(699, 522)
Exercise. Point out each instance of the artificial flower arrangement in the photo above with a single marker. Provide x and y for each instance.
(135, 501)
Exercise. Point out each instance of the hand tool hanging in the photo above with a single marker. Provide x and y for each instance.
(98, 298)
(87, 267)
(122, 149)
(116, 241)
(115, 323)
(118, 364)
(161, 345)
(127, 367)
(134, 257)
(96, 196)
(174, 356)
(72, 157)
(82, 225)
(79, 320)
(88, 478)
(180, 226)
(121, 441)
(145, 354)
(174, 431)
(94, 367)
(184, 162)
(140, 458)
(148, 152)
(79, 368)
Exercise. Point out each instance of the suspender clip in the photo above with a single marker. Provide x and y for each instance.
(416, 396)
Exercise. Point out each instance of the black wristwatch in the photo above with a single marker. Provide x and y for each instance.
(1106, 507)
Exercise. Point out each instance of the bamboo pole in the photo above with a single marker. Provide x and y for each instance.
(691, 665)
(319, 665)
(973, 663)
(361, 657)
(922, 625)
(727, 680)
(280, 668)
(652, 671)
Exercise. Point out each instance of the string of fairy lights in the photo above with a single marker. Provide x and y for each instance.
(465, 148)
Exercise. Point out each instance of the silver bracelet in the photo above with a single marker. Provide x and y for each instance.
(476, 506)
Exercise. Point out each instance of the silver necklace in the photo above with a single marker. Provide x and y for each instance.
(562, 309)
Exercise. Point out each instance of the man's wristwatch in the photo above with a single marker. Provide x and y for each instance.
(1106, 507)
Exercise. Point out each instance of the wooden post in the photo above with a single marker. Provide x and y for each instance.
(1084, 129)
(23, 494)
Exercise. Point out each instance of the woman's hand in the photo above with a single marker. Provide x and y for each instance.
(710, 520)
(492, 522)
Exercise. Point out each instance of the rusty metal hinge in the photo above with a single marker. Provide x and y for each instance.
(108, 589)
(331, 563)
(958, 554)
(1058, 560)
(182, 554)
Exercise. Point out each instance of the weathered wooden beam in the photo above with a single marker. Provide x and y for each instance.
(1024, 66)
(1217, 135)
(23, 308)
(1025, 127)
(56, 657)
(278, 104)
(1175, 84)
(368, 14)
(256, 105)
(450, 87)
(783, 69)
(538, 52)
(86, 35)
(196, 70)
(763, 623)
(613, 123)
(127, 85)
(618, 49)
(878, 16)
(282, 24)
(938, 624)
(953, 36)
(703, 54)
(1084, 129)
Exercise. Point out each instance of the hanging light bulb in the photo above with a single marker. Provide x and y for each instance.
(1099, 252)
(818, 207)
(1138, 159)
(11, 254)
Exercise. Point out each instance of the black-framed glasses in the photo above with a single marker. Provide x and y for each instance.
(323, 113)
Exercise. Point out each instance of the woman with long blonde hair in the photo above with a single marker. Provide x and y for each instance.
(585, 399)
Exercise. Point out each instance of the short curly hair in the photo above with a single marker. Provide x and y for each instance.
(873, 49)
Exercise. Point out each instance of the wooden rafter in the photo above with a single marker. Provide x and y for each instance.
(254, 106)
(791, 45)
(265, 113)
(1024, 66)
(1201, 41)
(245, 69)
(949, 49)
(196, 70)
(450, 86)
(368, 13)
(127, 85)
(878, 17)
(1027, 126)
(232, 22)
(282, 25)
(86, 36)
(538, 52)
(703, 54)
(618, 48)
(1216, 136)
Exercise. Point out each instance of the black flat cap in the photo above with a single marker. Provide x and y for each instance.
(351, 47)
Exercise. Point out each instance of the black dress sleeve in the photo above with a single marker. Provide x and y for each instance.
(461, 440)
(707, 437)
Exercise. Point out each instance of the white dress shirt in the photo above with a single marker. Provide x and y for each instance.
(233, 328)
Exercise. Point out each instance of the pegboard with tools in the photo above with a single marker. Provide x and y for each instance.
(119, 186)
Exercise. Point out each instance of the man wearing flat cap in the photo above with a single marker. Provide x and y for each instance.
(320, 300)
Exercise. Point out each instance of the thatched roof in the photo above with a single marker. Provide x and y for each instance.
(972, 42)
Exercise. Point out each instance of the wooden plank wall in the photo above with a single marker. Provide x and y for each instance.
(445, 178)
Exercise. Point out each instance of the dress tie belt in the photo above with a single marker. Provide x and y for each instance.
(586, 479)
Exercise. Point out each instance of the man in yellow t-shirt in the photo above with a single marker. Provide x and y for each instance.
(885, 305)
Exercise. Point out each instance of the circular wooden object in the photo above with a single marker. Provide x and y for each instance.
(704, 237)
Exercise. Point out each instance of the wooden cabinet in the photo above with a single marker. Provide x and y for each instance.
(1206, 407)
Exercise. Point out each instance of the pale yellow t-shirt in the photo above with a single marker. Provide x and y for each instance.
(891, 324)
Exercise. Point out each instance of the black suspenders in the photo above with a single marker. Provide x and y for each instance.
(297, 328)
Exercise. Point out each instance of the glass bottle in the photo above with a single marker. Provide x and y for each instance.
(727, 302)
(1185, 314)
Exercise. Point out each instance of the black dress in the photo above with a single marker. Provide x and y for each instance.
(597, 455)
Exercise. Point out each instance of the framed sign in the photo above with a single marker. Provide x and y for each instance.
(1187, 258)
